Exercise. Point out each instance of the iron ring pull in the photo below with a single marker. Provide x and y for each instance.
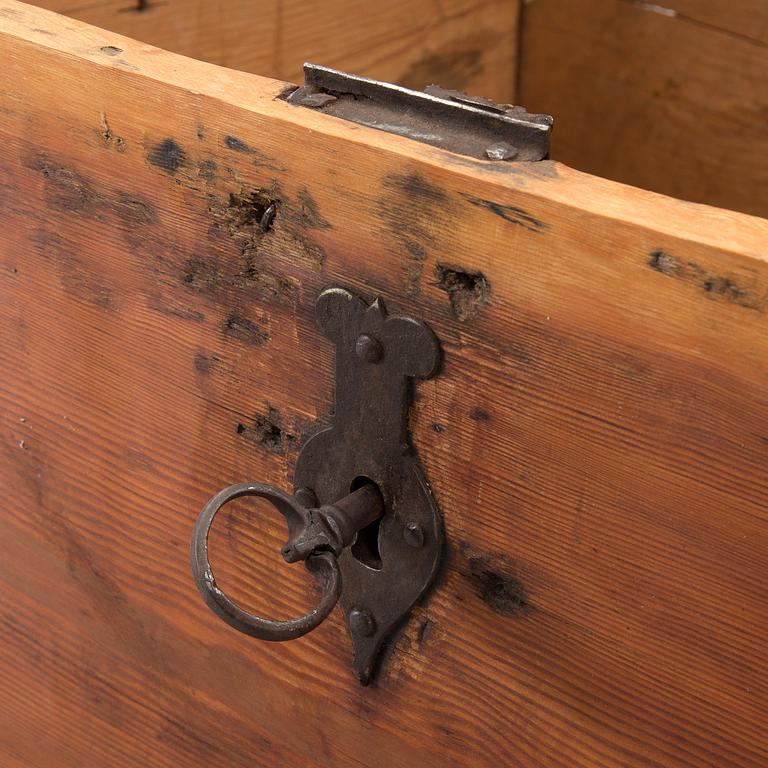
(315, 535)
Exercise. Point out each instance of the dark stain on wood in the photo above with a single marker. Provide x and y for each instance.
(68, 191)
(267, 285)
(205, 363)
(416, 251)
(65, 189)
(168, 156)
(201, 275)
(134, 210)
(412, 209)
(510, 213)
(111, 50)
(308, 214)
(174, 308)
(665, 263)
(77, 279)
(479, 414)
(728, 288)
(467, 291)
(499, 589)
(243, 329)
(259, 158)
(207, 170)
(268, 431)
(417, 187)
(236, 145)
(80, 283)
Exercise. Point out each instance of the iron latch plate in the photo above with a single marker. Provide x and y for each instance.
(394, 561)
(453, 120)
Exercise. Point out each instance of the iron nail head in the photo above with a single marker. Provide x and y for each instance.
(413, 534)
(368, 348)
(306, 497)
(265, 223)
(501, 151)
(361, 622)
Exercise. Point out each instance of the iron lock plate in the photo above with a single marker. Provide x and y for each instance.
(377, 356)
(362, 514)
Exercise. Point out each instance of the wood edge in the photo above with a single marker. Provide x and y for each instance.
(730, 231)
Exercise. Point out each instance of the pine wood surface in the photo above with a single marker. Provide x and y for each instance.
(597, 437)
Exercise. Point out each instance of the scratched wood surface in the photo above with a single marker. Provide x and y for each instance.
(464, 44)
(597, 437)
(668, 96)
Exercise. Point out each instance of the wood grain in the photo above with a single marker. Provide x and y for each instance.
(597, 437)
(669, 97)
(464, 44)
(746, 18)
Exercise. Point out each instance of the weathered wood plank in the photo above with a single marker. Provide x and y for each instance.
(465, 44)
(671, 98)
(597, 437)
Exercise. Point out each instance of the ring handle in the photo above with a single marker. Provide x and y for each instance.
(321, 564)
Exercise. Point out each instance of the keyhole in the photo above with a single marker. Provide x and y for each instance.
(366, 545)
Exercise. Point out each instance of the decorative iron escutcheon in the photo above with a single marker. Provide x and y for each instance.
(362, 516)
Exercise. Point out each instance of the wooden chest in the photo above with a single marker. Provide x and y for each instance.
(596, 437)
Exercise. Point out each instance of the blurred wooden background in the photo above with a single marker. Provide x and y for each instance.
(671, 98)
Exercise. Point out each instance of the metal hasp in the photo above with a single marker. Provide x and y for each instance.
(362, 516)
(467, 125)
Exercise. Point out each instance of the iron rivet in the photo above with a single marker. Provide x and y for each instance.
(306, 497)
(361, 622)
(369, 349)
(413, 534)
(501, 151)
